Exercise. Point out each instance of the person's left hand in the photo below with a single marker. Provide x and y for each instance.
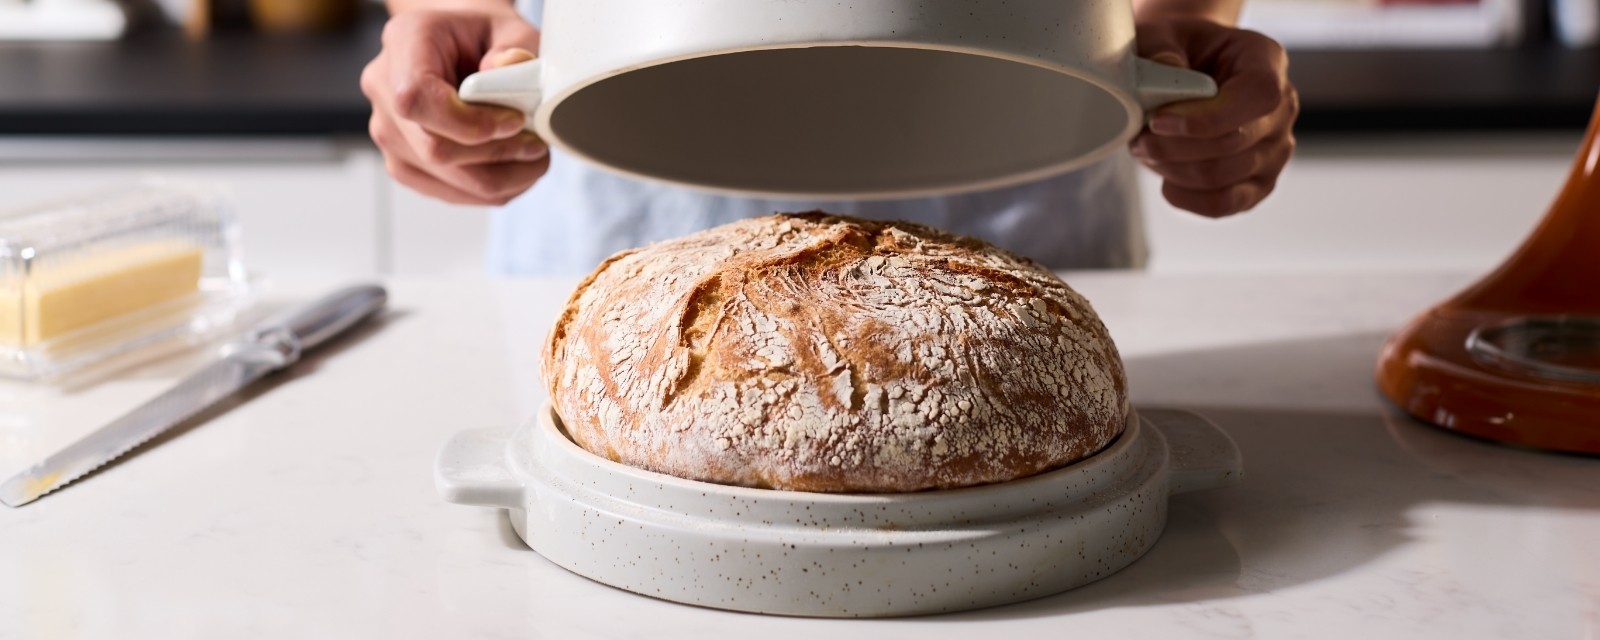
(1222, 155)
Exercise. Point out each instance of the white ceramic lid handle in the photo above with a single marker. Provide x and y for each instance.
(1161, 84)
(518, 86)
(1202, 455)
(472, 470)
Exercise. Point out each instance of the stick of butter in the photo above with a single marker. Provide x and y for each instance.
(68, 293)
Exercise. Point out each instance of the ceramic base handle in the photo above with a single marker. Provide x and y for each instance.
(471, 470)
(517, 86)
(1202, 455)
(1161, 84)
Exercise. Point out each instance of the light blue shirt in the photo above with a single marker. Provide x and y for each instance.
(578, 215)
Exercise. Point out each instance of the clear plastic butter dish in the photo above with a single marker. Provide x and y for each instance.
(112, 275)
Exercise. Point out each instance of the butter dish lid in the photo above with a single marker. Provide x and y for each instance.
(114, 273)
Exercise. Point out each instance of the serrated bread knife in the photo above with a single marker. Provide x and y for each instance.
(270, 346)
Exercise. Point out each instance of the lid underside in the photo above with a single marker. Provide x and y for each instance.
(842, 121)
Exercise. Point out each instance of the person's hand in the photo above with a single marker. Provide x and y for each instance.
(1219, 156)
(433, 142)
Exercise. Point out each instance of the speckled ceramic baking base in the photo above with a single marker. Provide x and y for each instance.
(810, 554)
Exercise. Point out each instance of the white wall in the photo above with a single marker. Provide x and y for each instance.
(308, 207)
(435, 238)
(1457, 203)
(325, 208)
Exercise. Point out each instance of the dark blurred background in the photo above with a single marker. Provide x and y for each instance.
(1433, 132)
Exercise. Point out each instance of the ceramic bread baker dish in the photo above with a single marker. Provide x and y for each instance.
(816, 415)
(823, 99)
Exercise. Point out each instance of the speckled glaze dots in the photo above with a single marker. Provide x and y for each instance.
(832, 555)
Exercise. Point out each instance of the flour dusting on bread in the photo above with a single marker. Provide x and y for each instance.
(822, 353)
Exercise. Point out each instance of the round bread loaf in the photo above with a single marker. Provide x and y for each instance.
(821, 353)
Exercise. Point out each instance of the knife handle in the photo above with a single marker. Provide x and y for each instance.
(315, 323)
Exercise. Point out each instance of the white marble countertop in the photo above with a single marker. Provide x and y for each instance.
(306, 509)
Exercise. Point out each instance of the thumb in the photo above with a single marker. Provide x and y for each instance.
(1160, 45)
(1171, 59)
(505, 57)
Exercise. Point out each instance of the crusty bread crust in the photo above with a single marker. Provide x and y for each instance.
(821, 353)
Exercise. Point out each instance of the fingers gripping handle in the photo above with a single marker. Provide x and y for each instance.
(1161, 85)
(1201, 454)
(517, 86)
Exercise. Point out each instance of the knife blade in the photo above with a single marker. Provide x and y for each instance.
(270, 346)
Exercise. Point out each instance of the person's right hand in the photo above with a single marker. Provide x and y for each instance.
(433, 142)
